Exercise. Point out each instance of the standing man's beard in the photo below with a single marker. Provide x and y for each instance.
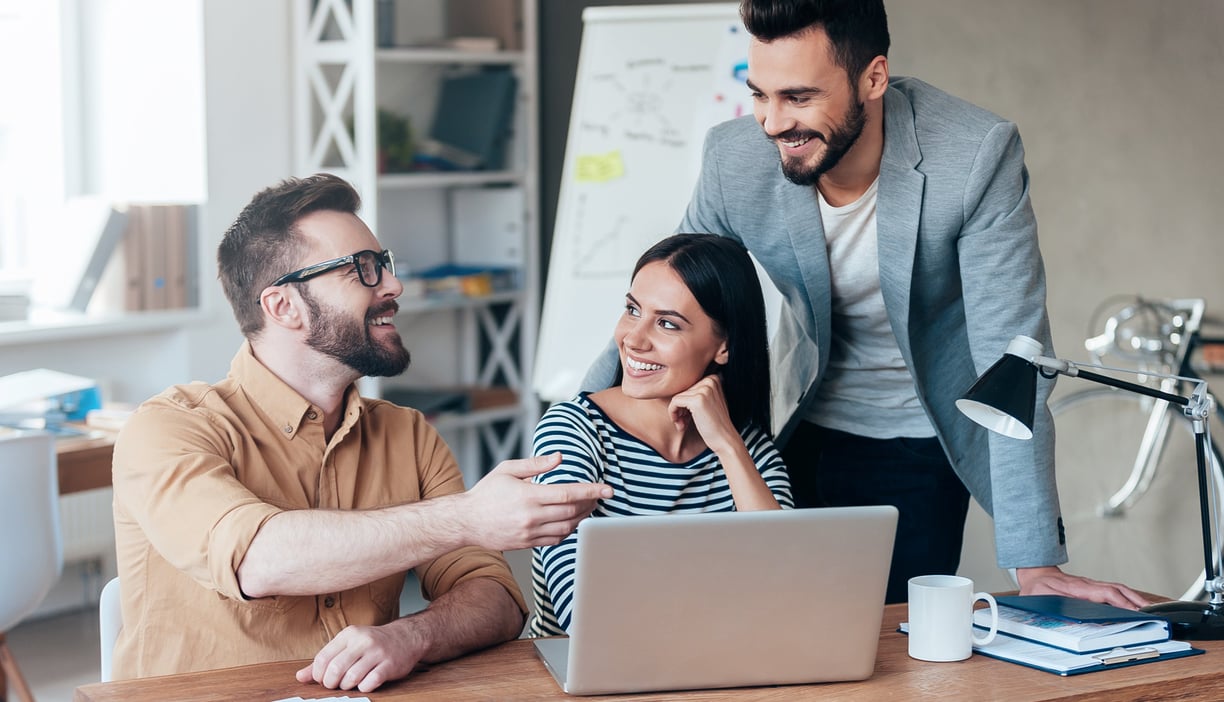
(348, 341)
(837, 143)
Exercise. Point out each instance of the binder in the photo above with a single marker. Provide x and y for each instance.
(475, 115)
(1074, 609)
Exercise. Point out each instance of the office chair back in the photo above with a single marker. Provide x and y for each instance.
(31, 550)
(110, 621)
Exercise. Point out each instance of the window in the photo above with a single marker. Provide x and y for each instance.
(104, 101)
(31, 123)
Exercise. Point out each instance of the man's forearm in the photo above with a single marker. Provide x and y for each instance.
(475, 614)
(308, 552)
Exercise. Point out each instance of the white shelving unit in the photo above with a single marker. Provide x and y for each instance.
(342, 78)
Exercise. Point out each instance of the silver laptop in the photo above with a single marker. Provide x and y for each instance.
(725, 599)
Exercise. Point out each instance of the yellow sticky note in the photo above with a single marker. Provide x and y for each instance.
(597, 168)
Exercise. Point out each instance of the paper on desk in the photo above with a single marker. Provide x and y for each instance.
(27, 386)
(324, 699)
(1056, 660)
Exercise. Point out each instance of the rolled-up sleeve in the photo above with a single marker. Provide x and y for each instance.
(172, 475)
(439, 475)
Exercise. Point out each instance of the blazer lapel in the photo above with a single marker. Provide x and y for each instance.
(806, 231)
(898, 210)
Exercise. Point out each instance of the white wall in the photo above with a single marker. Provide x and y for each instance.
(248, 99)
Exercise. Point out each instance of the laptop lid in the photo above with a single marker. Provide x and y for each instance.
(726, 599)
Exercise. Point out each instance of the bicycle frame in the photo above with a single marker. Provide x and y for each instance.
(1156, 433)
(1161, 418)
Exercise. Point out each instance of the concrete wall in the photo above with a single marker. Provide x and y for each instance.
(1118, 104)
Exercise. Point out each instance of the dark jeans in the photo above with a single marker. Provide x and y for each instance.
(830, 468)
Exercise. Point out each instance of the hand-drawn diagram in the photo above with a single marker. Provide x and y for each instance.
(631, 104)
(648, 88)
(640, 121)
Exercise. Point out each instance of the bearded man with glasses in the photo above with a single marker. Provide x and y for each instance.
(273, 515)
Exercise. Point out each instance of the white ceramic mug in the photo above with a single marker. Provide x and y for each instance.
(941, 617)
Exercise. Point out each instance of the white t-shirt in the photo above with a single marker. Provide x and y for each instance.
(867, 388)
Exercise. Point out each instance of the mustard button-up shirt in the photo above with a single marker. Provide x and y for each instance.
(199, 468)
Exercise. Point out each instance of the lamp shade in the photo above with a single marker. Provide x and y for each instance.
(1004, 399)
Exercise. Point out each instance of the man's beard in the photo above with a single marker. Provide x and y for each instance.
(348, 341)
(837, 144)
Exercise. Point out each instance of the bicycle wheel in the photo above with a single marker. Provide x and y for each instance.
(1153, 541)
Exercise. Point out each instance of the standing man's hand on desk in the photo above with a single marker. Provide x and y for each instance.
(1051, 580)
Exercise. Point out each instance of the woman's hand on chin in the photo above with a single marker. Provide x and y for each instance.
(705, 407)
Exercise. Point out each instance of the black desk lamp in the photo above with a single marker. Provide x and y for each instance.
(1003, 400)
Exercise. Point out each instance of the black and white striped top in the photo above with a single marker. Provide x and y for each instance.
(595, 449)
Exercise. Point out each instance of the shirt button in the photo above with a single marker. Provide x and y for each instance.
(312, 415)
(329, 602)
(288, 429)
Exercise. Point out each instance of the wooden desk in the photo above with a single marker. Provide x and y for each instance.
(512, 672)
(84, 463)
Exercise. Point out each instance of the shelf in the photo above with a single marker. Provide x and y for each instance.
(475, 418)
(444, 55)
(482, 406)
(434, 216)
(433, 304)
(49, 326)
(447, 179)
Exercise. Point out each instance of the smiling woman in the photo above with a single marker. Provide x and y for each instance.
(685, 427)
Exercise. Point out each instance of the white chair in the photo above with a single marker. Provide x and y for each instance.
(31, 551)
(110, 620)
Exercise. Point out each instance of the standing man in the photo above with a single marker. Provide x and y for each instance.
(895, 220)
(274, 515)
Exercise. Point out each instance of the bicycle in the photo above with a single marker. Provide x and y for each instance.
(1127, 477)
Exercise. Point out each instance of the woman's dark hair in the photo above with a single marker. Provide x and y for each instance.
(722, 278)
(857, 29)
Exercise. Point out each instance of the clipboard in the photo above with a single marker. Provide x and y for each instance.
(1122, 654)
(1064, 663)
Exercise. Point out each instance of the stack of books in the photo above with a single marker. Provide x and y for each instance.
(14, 306)
(14, 298)
(454, 280)
(1067, 636)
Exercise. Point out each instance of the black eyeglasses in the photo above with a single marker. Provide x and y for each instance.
(369, 265)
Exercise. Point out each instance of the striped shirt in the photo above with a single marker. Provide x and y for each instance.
(595, 449)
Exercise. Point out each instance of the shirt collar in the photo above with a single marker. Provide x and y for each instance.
(283, 405)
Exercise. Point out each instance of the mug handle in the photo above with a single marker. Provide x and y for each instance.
(994, 618)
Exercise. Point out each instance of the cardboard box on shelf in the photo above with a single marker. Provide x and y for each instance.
(502, 19)
(432, 401)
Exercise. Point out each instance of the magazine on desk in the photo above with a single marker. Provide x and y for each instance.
(1077, 626)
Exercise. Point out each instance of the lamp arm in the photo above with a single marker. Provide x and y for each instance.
(1197, 407)
(1057, 365)
(1002, 400)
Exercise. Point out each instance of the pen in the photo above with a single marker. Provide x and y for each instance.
(1126, 655)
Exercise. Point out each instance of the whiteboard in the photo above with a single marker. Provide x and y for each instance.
(651, 80)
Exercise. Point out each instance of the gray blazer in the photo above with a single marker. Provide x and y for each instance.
(960, 272)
